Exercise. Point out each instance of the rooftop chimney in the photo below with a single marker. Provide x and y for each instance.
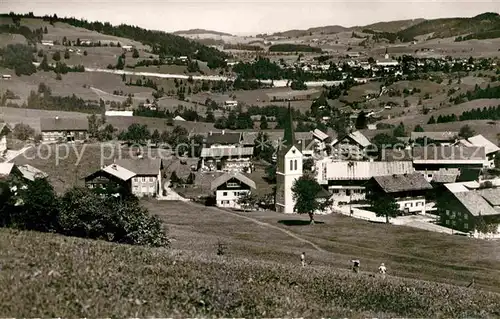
(114, 166)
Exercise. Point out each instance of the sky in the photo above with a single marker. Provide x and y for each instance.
(249, 17)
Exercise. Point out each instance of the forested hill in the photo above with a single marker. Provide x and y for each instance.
(161, 42)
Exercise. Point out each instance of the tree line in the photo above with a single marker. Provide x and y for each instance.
(487, 113)
(289, 47)
(44, 100)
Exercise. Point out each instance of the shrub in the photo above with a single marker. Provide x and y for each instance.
(79, 212)
(89, 215)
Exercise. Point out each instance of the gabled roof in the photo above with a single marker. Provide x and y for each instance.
(320, 134)
(179, 118)
(475, 204)
(228, 176)
(64, 124)
(5, 169)
(461, 187)
(402, 183)
(4, 129)
(119, 172)
(436, 136)
(30, 173)
(223, 138)
(357, 137)
(480, 140)
(226, 151)
(491, 195)
(141, 166)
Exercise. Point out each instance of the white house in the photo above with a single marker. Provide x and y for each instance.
(48, 43)
(231, 103)
(408, 190)
(480, 141)
(127, 47)
(347, 180)
(6, 76)
(353, 146)
(230, 187)
(119, 113)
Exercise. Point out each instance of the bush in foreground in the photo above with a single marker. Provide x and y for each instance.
(79, 212)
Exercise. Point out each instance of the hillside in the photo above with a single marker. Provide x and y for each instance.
(483, 25)
(316, 30)
(391, 26)
(161, 43)
(200, 31)
(74, 277)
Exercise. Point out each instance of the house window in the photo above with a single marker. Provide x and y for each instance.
(466, 217)
(447, 212)
(466, 226)
(295, 165)
(291, 165)
(224, 194)
(143, 179)
(151, 179)
(447, 222)
(232, 184)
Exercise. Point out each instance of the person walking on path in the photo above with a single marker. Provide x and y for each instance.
(355, 265)
(303, 259)
(382, 269)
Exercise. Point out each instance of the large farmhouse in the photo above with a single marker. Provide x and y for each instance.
(64, 129)
(476, 211)
(139, 176)
(226, 152)
(408, 190)
(230, 188)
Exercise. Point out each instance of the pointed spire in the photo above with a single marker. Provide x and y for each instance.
(289, 135)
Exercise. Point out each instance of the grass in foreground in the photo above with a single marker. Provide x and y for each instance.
(47, 275)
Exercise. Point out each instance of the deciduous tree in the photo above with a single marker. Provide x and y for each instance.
(305, 193)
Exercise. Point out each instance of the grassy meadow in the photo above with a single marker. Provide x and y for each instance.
(257, 276)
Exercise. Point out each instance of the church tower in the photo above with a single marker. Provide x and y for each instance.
(289, 167)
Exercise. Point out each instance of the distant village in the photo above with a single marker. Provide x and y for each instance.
(447, 183)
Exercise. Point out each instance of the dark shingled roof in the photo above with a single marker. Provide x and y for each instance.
(223, 138)
(141, 166)
(402, 183)
(63, 124)
(492, 195)
(476, 204)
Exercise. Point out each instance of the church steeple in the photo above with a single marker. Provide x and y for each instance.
(289, 135)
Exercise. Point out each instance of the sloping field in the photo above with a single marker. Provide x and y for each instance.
(32, 117)
(72, 83)
(455, 109)
(258, 276)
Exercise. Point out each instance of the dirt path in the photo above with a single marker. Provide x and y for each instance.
(318, 248)
(258, 222)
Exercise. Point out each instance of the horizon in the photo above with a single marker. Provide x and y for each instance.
(218, 16)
